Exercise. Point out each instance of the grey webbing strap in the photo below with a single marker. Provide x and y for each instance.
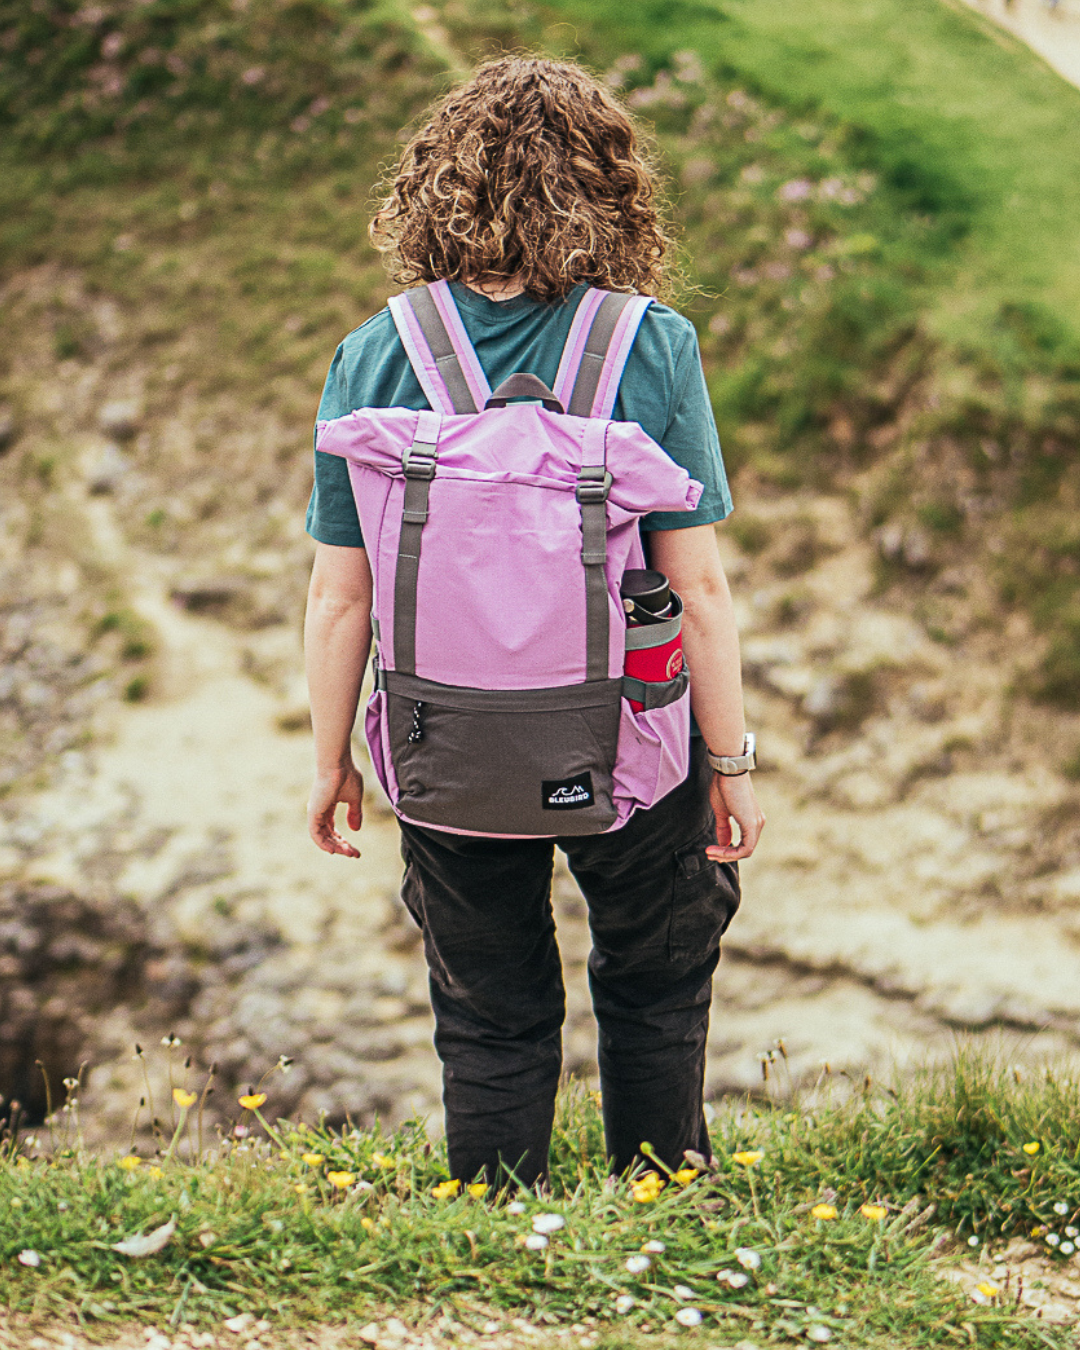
(442, 349)
(593, 486)
(656, 634)
(562, 698)
(418, 463)
(594, 483)
(601, 331)
(655, 694)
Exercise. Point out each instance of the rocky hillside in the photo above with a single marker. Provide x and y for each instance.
(188, 270)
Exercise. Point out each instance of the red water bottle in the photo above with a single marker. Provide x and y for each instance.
(653, 628)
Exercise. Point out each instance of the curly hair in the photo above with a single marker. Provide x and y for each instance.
(529, 171)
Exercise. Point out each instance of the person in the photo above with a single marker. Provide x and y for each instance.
(526, 185)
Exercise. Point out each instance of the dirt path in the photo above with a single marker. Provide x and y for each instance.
(895, 898)
(1051, 30)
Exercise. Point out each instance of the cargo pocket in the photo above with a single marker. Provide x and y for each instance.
(526, 762)
(705, 898)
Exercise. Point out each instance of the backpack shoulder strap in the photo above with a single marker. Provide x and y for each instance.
(596, 351)
(439, 351)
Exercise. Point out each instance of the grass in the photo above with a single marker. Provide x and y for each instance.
(293, 1222)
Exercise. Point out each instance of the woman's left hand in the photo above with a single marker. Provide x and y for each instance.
(732, 798)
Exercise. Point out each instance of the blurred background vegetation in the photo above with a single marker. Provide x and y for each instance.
(878, 204)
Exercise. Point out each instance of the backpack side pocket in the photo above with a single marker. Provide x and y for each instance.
(378, 743)
(654, 744)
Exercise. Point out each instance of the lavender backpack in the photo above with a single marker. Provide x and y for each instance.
(497, 534)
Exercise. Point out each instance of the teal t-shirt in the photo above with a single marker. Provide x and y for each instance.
(662, 389)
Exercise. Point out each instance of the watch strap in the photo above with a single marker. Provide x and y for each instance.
(729, 766)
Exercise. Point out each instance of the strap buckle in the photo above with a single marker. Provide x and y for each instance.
(419, 461)
(593, 485)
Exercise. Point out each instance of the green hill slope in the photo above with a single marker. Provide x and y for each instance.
(935, 86)
(878, 201)
(949, 352)
(946, 107)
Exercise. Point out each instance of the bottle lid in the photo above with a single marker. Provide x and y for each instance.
(647, 589)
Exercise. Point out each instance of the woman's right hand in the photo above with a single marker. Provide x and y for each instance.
(343, 784)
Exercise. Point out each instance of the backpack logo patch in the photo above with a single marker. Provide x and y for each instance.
(567, 794)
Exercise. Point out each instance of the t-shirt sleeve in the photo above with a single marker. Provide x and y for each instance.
(691, 440)
(331, 513)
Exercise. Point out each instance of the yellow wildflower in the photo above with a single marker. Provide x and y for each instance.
(477, 1190)
(340, 1180)
(312, 1159)
(367, 1223)
(156, 1172)
(647, 1188)
(184, 1099)
(824, 1211)
(300, 1188)
(874, 1212)
(130, 1162)
(749, 1157)
(685, 1175)
(381, 1160)
(252, 1101)
(1032, 1148)
(445, 1189)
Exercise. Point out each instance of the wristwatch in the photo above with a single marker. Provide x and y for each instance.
(730, 765)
